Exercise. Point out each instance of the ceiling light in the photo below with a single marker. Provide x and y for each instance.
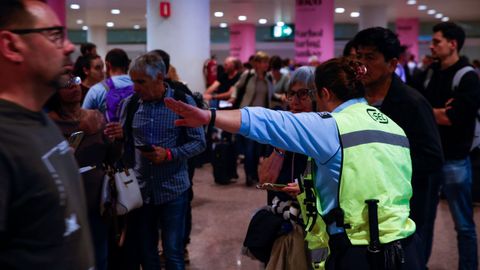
(355, 14)
(422, 7)
(218, 14)
(280, 24)
(431, 11)
(136, 27)
(223, 25)
(339, 10)
(75, 6)
(445, 19)
(110, 24)
(438, 15)
(115, 11)
(411, 2)
(79, 21)
(242, 18)
(84, 28)
(262, 21)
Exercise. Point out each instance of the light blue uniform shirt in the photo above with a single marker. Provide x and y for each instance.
(95, 98)
(305, 133)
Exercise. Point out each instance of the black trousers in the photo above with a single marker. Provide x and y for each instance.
(345, 256)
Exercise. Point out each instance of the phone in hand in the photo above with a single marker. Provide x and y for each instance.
(75, 139)
(145, 148)
(271, 186)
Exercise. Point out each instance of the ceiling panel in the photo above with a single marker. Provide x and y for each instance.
(97, 12)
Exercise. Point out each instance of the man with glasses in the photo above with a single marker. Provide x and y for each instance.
(378, 49)
(43, 221)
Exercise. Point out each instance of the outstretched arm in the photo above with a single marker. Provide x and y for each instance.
(228, 120)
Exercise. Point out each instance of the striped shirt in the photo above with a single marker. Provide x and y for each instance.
(153, 124)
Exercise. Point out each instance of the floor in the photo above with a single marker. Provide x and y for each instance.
(221, 215)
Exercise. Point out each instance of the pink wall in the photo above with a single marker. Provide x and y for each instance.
(314, 30)
(242, 41)
(408, 31)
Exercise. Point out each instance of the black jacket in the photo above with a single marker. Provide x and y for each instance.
(457, 138)
(412, 112)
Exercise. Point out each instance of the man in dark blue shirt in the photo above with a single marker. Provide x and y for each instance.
(161, 153)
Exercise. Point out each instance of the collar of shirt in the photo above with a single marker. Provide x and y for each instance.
(349, 103)
(168, 93)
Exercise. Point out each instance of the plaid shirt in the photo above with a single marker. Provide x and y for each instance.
(153, 124)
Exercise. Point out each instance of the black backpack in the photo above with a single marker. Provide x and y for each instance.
(181, 87)
(241, 91)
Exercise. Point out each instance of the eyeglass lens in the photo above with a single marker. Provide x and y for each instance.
(55, 34)
(301, 94)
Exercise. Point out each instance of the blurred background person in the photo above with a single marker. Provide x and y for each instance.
(210, 70)
(172, 74)
(455, 112)
(287, 66)
(280, 83)
(88, 48)
(350, 49)
(118, 82)
(253, 89)
(476, 65)
(313, 61)
(222, 89)
(90, 70)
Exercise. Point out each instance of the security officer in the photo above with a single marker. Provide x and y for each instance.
(363, 166)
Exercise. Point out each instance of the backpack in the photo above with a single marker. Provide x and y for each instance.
(114, 98)
(241, 91)
(263, 230)
(181, 87)
(456, 81)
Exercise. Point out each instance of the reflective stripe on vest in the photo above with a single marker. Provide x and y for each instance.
(373, 136)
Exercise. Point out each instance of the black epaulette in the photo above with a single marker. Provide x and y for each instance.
(324, 115)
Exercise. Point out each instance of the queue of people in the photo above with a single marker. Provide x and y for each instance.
(354, 158)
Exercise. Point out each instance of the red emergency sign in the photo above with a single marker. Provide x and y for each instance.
(165, 10)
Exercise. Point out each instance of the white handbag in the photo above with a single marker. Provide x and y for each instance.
(120, 192)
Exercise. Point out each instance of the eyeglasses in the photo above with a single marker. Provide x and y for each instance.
(55, 34)
(72, 82)
(301, 94)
